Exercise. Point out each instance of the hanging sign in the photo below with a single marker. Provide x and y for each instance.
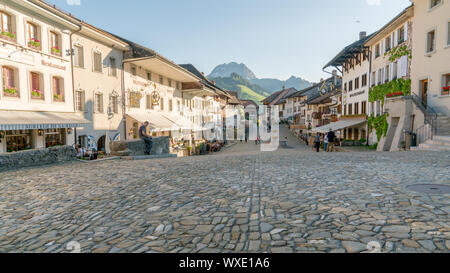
(155, 98)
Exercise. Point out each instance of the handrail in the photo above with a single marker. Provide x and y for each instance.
(429, 129)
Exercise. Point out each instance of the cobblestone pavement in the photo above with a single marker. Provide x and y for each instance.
(240, 200)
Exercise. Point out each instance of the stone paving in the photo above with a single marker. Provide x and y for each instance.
(240, 200)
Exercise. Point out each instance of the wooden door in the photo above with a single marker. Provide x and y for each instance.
(424, 92)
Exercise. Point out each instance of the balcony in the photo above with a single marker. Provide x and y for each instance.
(5, 35)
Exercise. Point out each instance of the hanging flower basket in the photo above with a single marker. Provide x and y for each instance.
(446, 90)
(396, 94)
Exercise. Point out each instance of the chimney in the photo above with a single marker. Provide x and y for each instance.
(362, 35)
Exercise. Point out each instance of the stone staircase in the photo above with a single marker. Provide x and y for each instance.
(441, 140)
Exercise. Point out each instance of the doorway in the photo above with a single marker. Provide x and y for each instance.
(424, 92)
(101, 144)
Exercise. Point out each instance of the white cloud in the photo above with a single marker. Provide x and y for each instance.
(73, 2)
(373, 2)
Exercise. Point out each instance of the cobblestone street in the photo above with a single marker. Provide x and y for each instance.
(239, 200)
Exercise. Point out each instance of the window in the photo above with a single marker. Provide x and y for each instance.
(394, 70)
(112, 62)
(388, 43)
(149, 104)
(374, 79)
(37, 90)
(78, 56)
(161, 80)
(350, 109)
(58, 89)
(55, 45)
(401, 35)
(364, 107)
(431, 40)
(6, 27)
(170, 105)
(33, 37)
(364, 80)
(98, 103)
(114, 104)
(448, 33)
(377, 51)
(18, 140)
(161, 104)
(386, 74)
(133, 70)
(10, 86)
(357, 108)
(350, 86)
(379, 76)
(434, 3)
(55, 137)
(169, 82)
(149, 76)
(345, 87)
(446, 85)
(98, 62)
(356, 83)
(178, 83)
(79, 101)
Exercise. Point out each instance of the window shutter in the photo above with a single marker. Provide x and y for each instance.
(391, 71)
(392, 39)
(406, 31)
(395, 38)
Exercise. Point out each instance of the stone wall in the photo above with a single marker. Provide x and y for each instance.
(137, 147)
(9, 161)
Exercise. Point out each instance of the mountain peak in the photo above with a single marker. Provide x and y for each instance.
(225, 70)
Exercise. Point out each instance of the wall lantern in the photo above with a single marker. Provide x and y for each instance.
(40, 132)
(2, 134)
(69, 131)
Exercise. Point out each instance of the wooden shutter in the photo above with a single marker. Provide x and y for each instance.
(406, 31)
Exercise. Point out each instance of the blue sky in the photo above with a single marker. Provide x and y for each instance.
(274, 38)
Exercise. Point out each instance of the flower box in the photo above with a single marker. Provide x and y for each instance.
(446, 90)
(56, 51)
(58, 98)
(37, 94)
(36, 44)
(8, 36)
(10, 92)
(396, 94)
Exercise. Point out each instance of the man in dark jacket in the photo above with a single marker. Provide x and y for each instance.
(331, 139)
(146, 138)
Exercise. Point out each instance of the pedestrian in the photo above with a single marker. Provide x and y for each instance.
(317, 142)
(331, 139)
(146, 138)
(325, 143)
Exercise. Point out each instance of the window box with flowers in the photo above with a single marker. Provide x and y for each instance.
(35, 43)
(10, 92)
(37, 94)
(8, 36)
(446, 90)
(56, 51)
(58, 98)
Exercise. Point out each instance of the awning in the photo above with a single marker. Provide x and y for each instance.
(182, 122)
(342, 124)
(28, 120)
(157, 122)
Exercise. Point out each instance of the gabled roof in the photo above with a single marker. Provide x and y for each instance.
(234, 97)
(313, 92)
(348, 51)
(276, 97)
(323, 98)
(249, 102)
(205, 81)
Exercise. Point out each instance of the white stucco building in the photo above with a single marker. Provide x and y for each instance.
(36, 98)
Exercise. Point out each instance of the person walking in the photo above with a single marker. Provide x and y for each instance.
(325, 143)
(331, 139)
(146, 138)
(317, 142)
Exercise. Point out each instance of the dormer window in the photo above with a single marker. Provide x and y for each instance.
(33, 36)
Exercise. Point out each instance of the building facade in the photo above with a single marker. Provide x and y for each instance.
(98, 73)
(36, 98)
(430, 70)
